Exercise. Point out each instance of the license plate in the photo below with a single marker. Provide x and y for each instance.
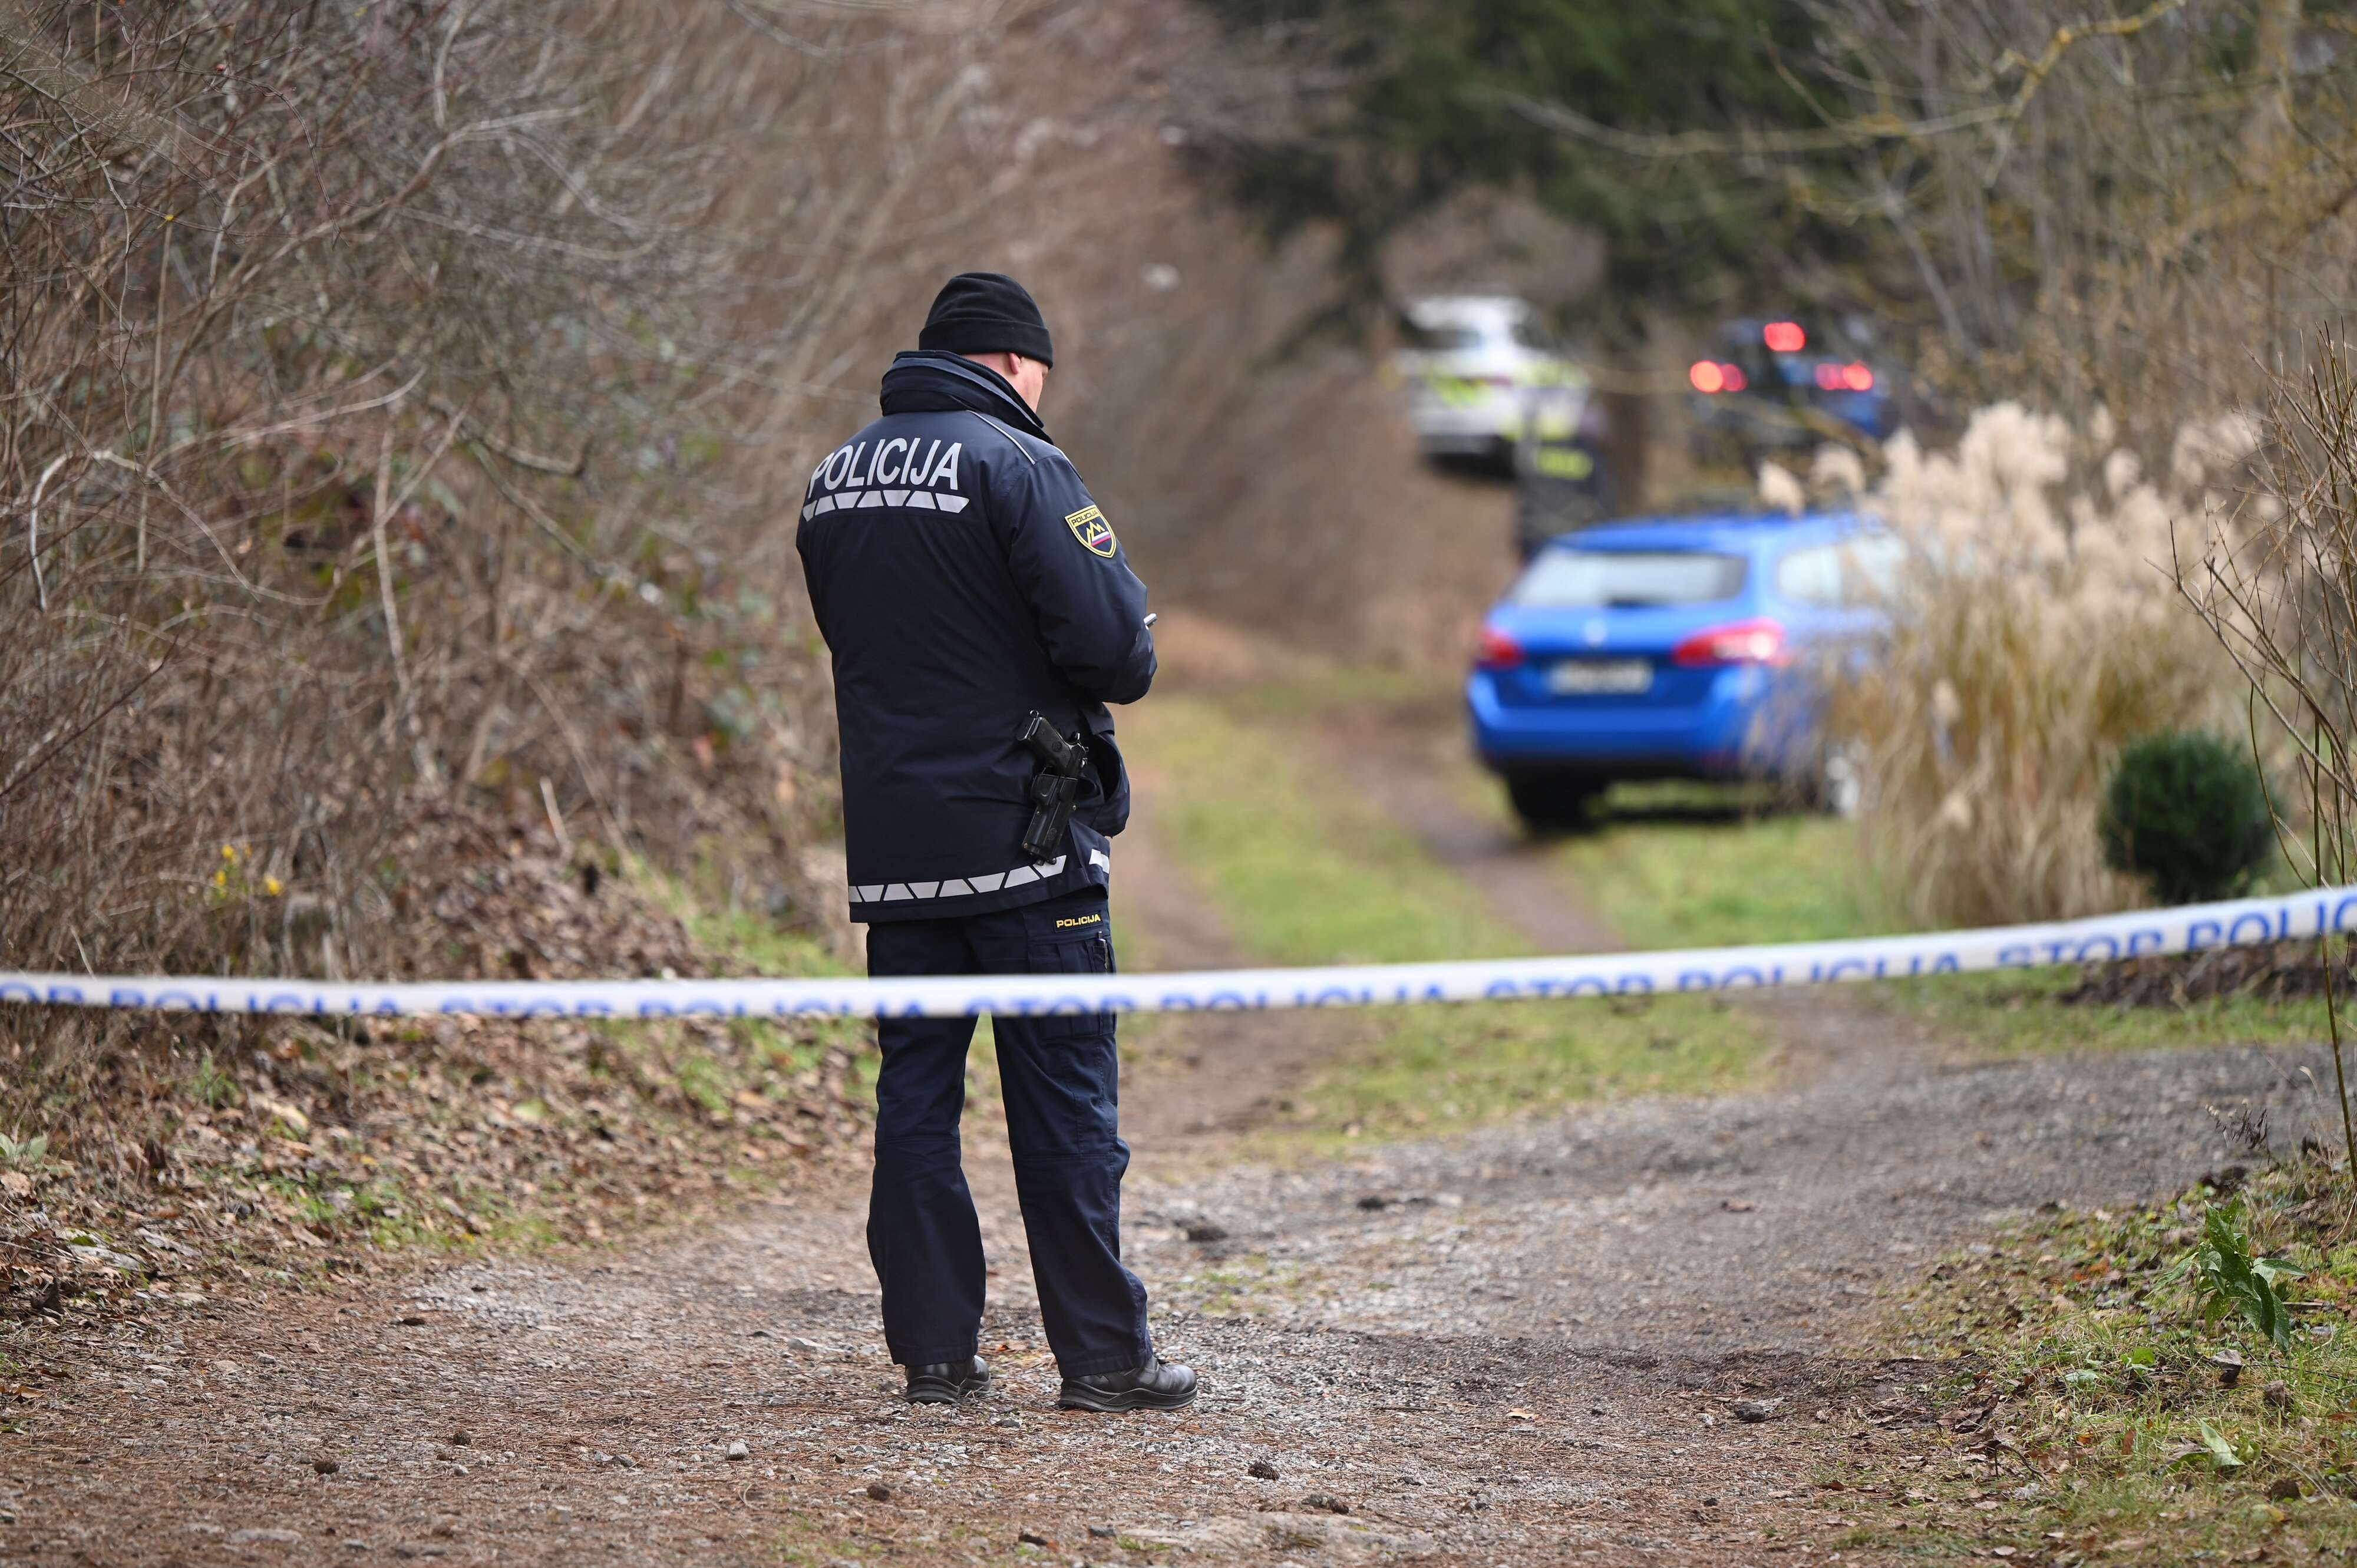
(1601, 677)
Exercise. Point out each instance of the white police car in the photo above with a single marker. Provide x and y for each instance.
(1470, 361)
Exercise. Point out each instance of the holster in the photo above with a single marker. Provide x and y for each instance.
(1051, 815)
(1053, 790)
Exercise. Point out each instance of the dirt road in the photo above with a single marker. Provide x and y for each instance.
(1523, 1345)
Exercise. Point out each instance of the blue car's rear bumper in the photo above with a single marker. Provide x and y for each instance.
(1719, 737)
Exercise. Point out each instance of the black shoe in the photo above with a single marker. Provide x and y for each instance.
(1156, 1385)
(946, 1382)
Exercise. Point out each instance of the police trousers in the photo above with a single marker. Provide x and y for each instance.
(1058, 1074)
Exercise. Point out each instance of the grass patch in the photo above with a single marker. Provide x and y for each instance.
(807, 1541)
(1686, 865)
(209, 1085)
(1307, 695)
(1305, 872)
(1310, 874)
(2019, 1013)
(2100, 1406)
(1443, 1068)
(751, 938)
(1674, 867)
(761, 947)
(753, 944)
(1249, 1286)
(300, 1147)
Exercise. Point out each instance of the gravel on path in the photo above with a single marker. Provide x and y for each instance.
(1523, 1346)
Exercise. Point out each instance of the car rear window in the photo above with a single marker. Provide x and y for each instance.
(1442, 339)
(1627, 579)
(1855, 571)
(1531, 335)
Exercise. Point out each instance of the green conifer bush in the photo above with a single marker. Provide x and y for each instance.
(2187, 811)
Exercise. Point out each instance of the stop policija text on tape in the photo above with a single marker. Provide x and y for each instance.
(2136, 934)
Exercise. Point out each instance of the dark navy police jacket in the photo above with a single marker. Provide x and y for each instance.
(964, 579)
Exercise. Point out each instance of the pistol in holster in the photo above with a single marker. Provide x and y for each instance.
(1057, 785)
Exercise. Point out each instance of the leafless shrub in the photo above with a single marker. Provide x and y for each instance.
(303, 301)
(2113, 208)
(355, 364)
(2276, 581)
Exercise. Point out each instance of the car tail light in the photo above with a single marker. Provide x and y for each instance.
(1715, 376)
(1784, 337)
(1738, 642)
(1498, 652)
(1857, 378)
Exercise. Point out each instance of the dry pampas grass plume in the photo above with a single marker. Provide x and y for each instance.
(1781, 490)
(2034, 631)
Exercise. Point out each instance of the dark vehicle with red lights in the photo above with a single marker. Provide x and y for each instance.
(1779, 385)
(1671, 649)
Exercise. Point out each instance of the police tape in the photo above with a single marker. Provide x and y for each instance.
(2148, 933)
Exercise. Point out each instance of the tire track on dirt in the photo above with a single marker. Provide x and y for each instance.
(1200, 1076)
(1400, 760)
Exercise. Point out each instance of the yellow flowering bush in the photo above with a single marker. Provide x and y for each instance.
(233, 880)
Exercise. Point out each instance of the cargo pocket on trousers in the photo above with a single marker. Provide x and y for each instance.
(1081, 955)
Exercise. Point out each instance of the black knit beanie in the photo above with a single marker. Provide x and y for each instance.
(986, 313)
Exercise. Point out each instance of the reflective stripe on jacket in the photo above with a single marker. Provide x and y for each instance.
(964, 578)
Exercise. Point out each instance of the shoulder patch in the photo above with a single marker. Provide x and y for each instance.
(1095, 534)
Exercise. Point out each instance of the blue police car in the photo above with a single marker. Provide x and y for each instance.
(1671, 648)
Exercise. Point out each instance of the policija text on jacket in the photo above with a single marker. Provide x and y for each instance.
(947, 628)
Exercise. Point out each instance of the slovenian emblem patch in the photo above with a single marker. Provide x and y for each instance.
(1095, 534)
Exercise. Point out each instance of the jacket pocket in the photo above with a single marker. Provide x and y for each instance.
(1072, 955)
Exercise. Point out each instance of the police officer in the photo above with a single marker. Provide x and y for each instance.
(964, 580)
(1558, 474)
